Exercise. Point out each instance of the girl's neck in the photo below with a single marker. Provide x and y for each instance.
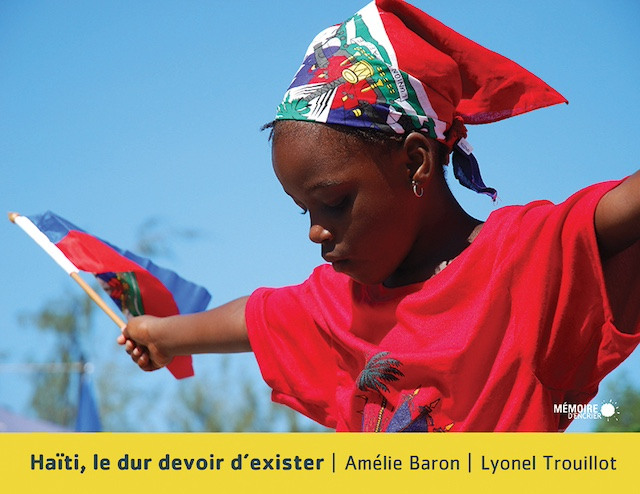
(444, 236)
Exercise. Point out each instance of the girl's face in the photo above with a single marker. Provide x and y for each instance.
(359, 199)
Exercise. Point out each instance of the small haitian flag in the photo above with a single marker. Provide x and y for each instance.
(134, 283)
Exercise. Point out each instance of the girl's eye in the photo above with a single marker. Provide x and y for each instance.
(339, 204)
(333, 206)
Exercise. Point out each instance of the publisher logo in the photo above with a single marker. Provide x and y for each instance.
(610, 410)
(591, 411)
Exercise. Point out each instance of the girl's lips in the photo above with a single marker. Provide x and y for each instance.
(340, 265)
(338, 262)
(333, 259)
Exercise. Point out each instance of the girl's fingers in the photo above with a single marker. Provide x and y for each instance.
(144, 361)
(129, 346)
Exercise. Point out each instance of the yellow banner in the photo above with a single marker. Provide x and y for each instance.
(324, 462)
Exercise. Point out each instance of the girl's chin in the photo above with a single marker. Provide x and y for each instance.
(364, 278)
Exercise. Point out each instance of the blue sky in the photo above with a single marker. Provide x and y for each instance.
(116, 112)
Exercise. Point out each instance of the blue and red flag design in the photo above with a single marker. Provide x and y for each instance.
(134, 283)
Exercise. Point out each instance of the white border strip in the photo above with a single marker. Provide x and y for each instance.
(43, 241)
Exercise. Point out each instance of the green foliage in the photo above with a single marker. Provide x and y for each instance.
(154, 237)
(68, 316)
(54, 397)
(119, 397)
(627, 399)
(203, 407)
(232, 404)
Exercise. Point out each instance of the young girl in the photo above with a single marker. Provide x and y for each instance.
(424, 318)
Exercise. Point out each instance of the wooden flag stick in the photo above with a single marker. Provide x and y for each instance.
(98, 300)
(58, 256)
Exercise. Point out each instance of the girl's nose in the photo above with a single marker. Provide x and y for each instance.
(319, 235)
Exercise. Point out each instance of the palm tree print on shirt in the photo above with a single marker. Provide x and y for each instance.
(378, 371)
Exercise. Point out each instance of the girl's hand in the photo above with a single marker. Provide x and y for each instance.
(142, 340)
(152, 341)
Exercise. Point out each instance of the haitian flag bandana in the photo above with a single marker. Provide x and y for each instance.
(134, 283)
(393, 68)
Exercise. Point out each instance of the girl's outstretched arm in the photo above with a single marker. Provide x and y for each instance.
(153, 341)
(617, 218)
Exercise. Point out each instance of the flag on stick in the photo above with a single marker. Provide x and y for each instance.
(134, 283)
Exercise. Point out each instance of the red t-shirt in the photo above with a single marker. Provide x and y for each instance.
(525, 318)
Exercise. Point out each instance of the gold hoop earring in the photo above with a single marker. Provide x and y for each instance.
(418, 191)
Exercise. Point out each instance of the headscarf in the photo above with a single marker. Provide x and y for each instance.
(393, 68)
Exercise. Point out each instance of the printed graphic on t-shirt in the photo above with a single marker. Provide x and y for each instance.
(409, 414)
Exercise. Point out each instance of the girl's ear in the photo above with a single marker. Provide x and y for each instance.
(423, 156)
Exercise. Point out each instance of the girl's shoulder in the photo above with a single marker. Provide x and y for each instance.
(578, 207)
